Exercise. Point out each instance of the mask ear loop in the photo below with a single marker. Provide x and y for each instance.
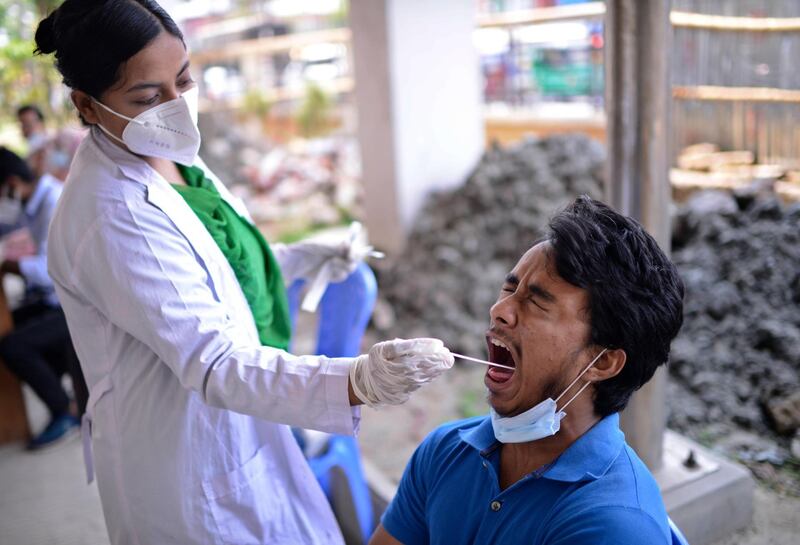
(106, 108)
(571, 384)
(108, 132)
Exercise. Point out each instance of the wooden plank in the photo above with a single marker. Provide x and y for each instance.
(505, 129)
(680, 19)
(13, 417)
(270, 45)
(588, 10)
(717, 93)
(684, 19)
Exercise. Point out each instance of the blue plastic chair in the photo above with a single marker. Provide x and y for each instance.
(677, 535)
(344, 313)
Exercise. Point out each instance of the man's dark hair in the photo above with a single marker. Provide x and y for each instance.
(635, 293)
(12, 164)
(30, 108)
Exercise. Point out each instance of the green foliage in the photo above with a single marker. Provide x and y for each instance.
(24, 77)
(471, 404)
(313, 115)
(342, 15)
(295, 235)
(256, 103)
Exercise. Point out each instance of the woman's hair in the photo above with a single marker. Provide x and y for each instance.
(92, 39)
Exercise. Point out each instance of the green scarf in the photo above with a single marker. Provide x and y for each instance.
(248, 254)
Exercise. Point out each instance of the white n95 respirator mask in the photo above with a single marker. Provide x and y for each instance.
(168, 130)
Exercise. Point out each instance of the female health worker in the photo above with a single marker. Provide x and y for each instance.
(178, 313)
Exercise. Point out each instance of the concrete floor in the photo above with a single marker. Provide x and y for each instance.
(45, 499)
(776, 521)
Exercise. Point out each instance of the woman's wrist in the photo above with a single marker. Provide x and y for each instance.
(354, 400)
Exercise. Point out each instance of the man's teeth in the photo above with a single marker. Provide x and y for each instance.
(497, 343)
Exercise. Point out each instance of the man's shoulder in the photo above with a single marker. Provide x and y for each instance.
(629, 469)
(626, 497)
(622, 506)
(648, 493)
(626, 482)
(608, 524)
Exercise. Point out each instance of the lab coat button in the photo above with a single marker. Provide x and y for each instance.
(496, 505)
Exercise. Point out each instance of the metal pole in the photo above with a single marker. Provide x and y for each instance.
(638, 40)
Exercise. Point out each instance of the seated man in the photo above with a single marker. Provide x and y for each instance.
(38, 350)
(584, 318)
(47, 153)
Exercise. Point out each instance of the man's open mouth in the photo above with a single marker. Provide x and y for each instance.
(499, 353)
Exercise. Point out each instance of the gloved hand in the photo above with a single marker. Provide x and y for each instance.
(393, 369)
(305, 259)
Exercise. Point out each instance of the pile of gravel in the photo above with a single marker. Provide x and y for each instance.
(465, 241)
(735, 365)
(738, 355)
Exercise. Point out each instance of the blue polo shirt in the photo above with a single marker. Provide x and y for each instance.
(597, 492)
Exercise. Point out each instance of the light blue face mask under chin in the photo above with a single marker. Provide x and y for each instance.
(540, 421)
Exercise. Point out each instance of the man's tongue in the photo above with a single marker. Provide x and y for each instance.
(500, 355)
(498, 374)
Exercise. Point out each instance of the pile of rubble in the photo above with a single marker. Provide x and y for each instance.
(289, 188)
(465, 241)
(736, 363)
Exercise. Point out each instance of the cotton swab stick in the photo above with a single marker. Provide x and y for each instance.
(484, 362)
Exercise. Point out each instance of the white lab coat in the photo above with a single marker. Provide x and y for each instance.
(188, 411)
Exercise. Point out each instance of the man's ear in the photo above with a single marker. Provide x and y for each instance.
(85, 106)
(608, 366)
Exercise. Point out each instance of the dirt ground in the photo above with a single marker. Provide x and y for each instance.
(776, 522)
(389, 436)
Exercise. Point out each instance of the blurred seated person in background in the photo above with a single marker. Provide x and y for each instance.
(51, 154)
(38, 349)
(585, 318)
(31, 121)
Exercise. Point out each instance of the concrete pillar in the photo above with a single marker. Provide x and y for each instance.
(418, 96)
(638, 37)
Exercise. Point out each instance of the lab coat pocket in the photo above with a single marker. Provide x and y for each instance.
(248, 504)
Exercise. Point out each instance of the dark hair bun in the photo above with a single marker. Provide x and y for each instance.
(46, 35)
(91, 39)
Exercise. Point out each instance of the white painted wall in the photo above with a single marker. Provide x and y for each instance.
(419, 105)
(437, 96)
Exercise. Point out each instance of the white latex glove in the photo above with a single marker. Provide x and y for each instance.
(393, 369)
(305, 259)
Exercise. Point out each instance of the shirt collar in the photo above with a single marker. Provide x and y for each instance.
(42, 188)
(480, 437)
(586, 459)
